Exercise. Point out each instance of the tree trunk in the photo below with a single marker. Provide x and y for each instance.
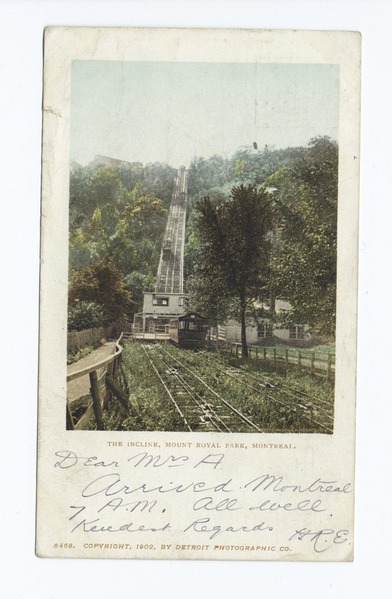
(243, 331)
(272, 302)
(273, 255)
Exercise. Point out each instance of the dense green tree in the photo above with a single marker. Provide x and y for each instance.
(138, 282)
(158, 180)
(105, 186)
(191, 251)
(97, 185)
(212, 176)
(84, 315)
(235, 251)
(205, 174)
(206, 297)
(255, 166)
(123, 251)
(79, 251)
(117, 220)
(144, 216)
(130, 238)
(91, 187)
(79, 198)
(103, 283)
(144, 220)
(305, 264)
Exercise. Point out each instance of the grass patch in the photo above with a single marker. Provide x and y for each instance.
(155, 410)
(290, 401)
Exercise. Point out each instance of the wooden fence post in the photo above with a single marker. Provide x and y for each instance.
(70, 425)
(329, 367)
(110, 369)
(96, 400)
(286, 358)
(299, 359)
(257, 353)
(116, 364)
(117, 392)
(312, 363)
(274, 356)
(265, 353)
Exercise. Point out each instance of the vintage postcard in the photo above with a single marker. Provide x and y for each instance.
(198, 294)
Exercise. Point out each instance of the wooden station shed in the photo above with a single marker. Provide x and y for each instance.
(188, 330)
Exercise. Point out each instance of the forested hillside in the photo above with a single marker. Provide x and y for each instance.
(117, 219)
(118, 216)
(297, 190)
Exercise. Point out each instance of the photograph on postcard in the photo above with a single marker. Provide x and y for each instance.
(202, 246)
(198, 275)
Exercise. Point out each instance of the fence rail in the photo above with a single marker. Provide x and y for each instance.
(104, 382)
(316, 362)
(159, 333)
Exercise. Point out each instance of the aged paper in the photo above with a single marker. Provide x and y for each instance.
(167, 441)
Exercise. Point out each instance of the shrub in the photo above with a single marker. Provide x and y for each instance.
(84, 315)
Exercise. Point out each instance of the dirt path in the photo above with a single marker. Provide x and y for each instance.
(81, 386)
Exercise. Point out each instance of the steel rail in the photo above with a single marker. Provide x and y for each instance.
(280, 389)
(196, 398)
(266, 382)
(232, 408)
(292, 391)
(167, 391)
(282, 403)
(270, 397)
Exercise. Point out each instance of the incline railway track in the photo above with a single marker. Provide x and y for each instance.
(289, 398)
(199, 405)
(171, 263)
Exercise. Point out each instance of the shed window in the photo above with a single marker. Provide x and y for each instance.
(264, 330)
(297, 331)
(160, 301)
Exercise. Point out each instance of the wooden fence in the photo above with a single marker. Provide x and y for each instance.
(104, 382)
(316, 362)
(76, 340)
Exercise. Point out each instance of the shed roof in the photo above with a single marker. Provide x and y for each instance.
(192, 316)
